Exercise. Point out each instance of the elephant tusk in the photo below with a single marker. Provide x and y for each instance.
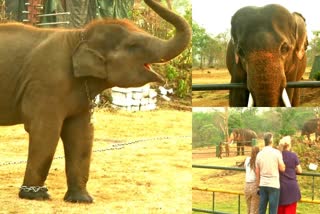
(285, 98)
(250, 101)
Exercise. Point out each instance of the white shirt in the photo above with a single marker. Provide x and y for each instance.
(250, 174)
(268, 160)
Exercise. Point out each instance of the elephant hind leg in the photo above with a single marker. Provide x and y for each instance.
(77, 137)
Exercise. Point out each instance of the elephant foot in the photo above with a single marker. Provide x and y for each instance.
(78, 197)
(34, 193)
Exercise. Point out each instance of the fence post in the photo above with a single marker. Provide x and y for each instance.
(212, 202)
(238, 204)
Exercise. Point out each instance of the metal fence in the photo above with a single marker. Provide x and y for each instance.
(228, 86)
(303, 200)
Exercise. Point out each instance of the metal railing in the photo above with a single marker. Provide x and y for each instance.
(303, 200)
(227, 86)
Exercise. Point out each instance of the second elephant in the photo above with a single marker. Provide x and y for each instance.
(267, 50)
(243, 137)
(311, 126)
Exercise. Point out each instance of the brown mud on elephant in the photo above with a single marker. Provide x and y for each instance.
(242, 137)
(311, 126)
(48, 78)
(267, 50)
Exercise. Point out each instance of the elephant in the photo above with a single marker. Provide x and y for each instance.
(266, 50)
(243, 137)
(311, 126)
(49, 78)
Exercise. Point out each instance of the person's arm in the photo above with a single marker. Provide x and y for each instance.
(298, 169)
(257, 175)
(281, 165)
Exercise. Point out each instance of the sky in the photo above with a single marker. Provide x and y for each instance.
(215, 15)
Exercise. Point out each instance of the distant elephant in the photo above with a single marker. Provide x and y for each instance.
(267, 50)
(243, 137)
(49, 77)
(311, 126)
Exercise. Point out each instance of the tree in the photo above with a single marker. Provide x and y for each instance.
(208, 50)
(314, 48)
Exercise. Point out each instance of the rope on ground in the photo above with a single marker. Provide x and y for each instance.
(115, 146)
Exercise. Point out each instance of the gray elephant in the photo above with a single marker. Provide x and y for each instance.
(48, 78)
(266, 51)
(311, 126)
(243, 137)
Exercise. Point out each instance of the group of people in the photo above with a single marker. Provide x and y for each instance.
(271, 178)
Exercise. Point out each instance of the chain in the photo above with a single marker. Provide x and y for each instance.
(33, 189)
(116, 146)
(90, 101)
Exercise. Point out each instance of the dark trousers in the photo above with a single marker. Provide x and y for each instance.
(269, 195)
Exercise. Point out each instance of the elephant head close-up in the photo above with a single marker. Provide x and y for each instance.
(267, 50)
(49, 77)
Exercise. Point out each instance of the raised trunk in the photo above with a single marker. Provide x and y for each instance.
(266, 79)
(166, 50)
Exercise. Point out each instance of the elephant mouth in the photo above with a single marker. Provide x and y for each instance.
(158, 77)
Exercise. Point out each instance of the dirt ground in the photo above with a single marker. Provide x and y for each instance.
(152, 175)
(309, 96)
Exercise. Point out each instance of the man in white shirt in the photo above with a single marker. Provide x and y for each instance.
(268, 164)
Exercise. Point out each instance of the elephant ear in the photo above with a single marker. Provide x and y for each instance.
(301, 35)
(88, 62)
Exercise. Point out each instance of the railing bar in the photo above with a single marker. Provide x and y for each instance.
(242, 169)
(54, 14)
(227, 86)
(201, 210)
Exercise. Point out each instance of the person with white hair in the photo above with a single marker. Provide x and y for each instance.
(289, 187)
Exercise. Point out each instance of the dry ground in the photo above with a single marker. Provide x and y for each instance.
(152, 176)
(309, 96)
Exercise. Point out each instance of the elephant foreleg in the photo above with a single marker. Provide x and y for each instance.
(296, 97)
(44, 133)
(77, 137)
(238, 148)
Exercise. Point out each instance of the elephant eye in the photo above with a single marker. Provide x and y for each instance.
(241, 52)
(133, 47)
(284, 48)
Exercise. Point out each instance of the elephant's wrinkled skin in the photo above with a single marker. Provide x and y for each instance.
(266, 51)
(48, 76)
(243, 137)
(311, 126)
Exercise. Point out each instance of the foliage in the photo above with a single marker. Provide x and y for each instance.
(314, 48)
(3, 17)
(208, 50)
(205, 132)
(279, 121)
(178, 70)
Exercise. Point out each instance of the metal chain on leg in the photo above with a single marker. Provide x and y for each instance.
(90, 101)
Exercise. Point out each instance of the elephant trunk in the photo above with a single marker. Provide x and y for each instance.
(266, 79)
(165, 50)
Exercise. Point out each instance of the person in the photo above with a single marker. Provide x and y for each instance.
(289, 188)
(251, 185)
(268, 164)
